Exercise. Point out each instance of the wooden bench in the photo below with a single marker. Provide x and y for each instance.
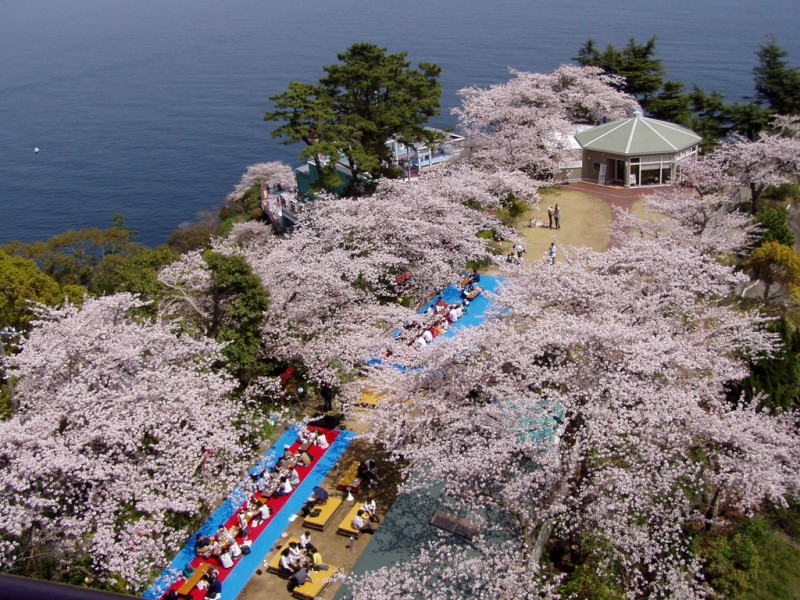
(274, 565)
(350, 479)
(325, 516)
(186, 589)
(312, 589)
(369, 399)
(458, 525)
(346, 526)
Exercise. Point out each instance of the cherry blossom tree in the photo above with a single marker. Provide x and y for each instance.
(588, 419)
(356, 268)
(275, 172)
(125, 433)
(712, 220)
(525, 124)
(773, 159)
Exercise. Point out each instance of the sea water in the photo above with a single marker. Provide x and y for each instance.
(152, 109)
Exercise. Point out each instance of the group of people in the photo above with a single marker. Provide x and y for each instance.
(516, 255)
(298, 559)
(469, 285)
(213, 586)
(300, 555)
(228, 544)
(554, 217)
(440, 316)
(366, 516)
(222, 544)
(281, 482)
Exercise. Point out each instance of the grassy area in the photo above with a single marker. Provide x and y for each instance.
(759, 559)
(584, 222)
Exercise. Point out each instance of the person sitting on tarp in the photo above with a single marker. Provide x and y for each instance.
(304, 435)
(316, 560)
(370, 508)
(294, 478)
(322, 441)
(203, 545)
(285, 488)
(264, 511)
(214, 589)
(305, 540)
(263, 482)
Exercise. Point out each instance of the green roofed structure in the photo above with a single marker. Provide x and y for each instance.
(634, 152)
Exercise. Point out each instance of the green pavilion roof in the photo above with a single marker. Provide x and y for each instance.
(638, 135)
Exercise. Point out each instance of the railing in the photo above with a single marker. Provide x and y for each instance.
(280, 207)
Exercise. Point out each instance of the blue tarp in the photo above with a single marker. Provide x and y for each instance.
(245, 566)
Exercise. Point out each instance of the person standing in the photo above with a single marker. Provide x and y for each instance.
(550, 214)
(552, 253)
(557, 216)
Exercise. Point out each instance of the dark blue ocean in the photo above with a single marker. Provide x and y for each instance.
(153, 108)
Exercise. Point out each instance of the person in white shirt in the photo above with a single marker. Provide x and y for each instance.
(371, 510)
(264, 511)
(294, 478)
(322, 441)
(296, 555)
(361, 523)
(305, 540)
(263, 482)
(286, 563)
(285, 487)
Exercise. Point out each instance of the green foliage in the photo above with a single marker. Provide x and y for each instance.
(479, 263)
(227, 224)
(747, 119)
(736, 563)
(362, 102)
(757, 560)
(585, 583)
(85, 257)
(778, 268)
(635, 62)
(777, 85)
(710, 120)
(242, 205)
(777, 377)
(193, 237)
(24, 285)
(515, 206)
(786, 192)
(139, 275)
(672, 104)
(238, 302)
(473, 204)
(773, 222)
